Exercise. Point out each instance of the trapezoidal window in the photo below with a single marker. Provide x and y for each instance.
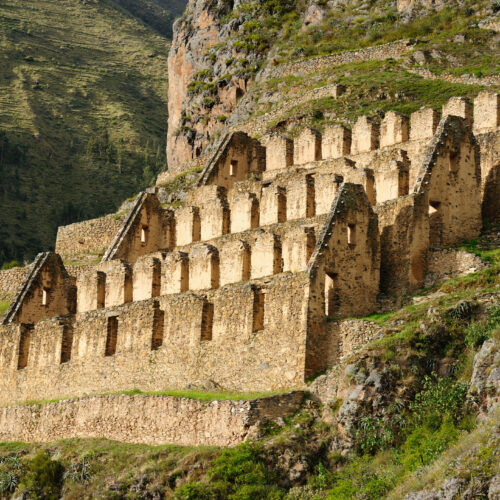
(351, 234)
(233, 168)
(112, 336)
(144, 235)
(158, 328)
(207, 321)
(66, 343)
(45, 297)
(332, 303)
(259, 299)
(453, 161)
(24, 346)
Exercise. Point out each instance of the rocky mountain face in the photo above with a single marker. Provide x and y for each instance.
(220, 48)
(198, 90)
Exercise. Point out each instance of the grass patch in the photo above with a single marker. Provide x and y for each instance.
(3, 307)
(196, 395)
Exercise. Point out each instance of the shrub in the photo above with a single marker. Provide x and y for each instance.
(239, 473)
(8, 482)
(440, 399)
(195, 491)
(373, 434)
(44, 477)
(479, 331)
(10, 265)
(425, 444)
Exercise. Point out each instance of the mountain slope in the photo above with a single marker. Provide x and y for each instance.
(83, 111)
(158, 14)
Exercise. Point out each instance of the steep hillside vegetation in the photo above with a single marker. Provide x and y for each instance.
(159, 14)
(83, 110)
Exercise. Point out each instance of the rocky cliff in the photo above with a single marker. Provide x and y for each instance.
(226, 58)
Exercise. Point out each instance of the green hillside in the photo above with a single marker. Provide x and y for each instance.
(159, 14)
(83, 113)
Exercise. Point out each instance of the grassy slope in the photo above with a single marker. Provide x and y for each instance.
(83, 89)
(159, 14)
(449, 42)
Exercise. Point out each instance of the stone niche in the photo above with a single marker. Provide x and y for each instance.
(203, 267)
(234, 262)
(298, 246)
(307, 147)
(119, 288)
(266, 255)
(147, 278)
(365, 135)
(188, 225)
(395, 128)
(459, 106)
(175, 273)
(244, 211)
(272, 205)
(279, 153)
(336, 142)
(300, 198)
(423, 124)
(486, 110)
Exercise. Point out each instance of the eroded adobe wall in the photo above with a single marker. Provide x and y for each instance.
(151, 420)
(344, 270)
(237, 158)
(249, 336)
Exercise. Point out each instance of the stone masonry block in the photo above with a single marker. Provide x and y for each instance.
(365, 135)
(279, 153)
(336, 142)
(395, 128)
(423, 124)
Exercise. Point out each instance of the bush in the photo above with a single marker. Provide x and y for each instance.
(440, 399)
(8, 482)
(373, 434)
(10, 265)
(44, 477)
(195, 491)
(239, 473)
(479, 331)
(425, 444)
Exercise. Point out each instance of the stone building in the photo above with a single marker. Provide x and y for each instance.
(235, 287)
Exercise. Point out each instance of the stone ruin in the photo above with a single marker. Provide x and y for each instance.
(237, 286)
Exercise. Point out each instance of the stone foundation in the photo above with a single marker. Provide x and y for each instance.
(152, 420)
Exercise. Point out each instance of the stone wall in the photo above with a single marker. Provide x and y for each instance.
(152, 420)
(315, 64)
(11, 280)
(167, 342)
(444, 264)
(88, 236)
